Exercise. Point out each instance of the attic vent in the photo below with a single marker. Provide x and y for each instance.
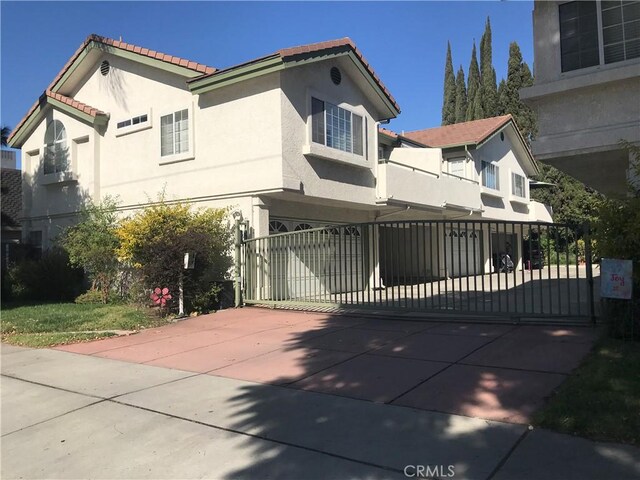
(502, 136)
(104, 68)
(336, 76)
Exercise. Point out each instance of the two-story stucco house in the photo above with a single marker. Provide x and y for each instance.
(291, 139)
(586, 90)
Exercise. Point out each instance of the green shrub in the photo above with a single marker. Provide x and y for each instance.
(90, 296)
(155, 240)
(50, 278)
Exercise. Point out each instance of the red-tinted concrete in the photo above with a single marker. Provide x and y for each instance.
(371, 377)
(501, 372)
(491, 393)
(283, 366)
(425, 346)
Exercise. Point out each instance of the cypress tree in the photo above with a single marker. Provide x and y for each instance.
(488, 74)
(473, 84)
(478, 111)
(502, 100)
(461, 97)
(518, 76)
(449, 100)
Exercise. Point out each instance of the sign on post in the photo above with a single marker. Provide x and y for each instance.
(616, 278)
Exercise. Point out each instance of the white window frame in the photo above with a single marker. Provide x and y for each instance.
(451, 160)
(496, 173)
(183, 155)
(62, 143)
(349, 142)
(514, 192)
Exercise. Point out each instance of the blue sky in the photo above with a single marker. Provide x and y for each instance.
(404, 41)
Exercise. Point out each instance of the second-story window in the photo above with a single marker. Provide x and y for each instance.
(133, 121)
(595, 33)
(517, 185)
(56, 152)
(174, 133)
(336, 127)
(490, 178)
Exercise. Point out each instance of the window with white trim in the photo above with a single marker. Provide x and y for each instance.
(174, 133)
(336, 127)
(56, 151)
(517, 185)
(596, 33)
(490, 176)
(457, 166)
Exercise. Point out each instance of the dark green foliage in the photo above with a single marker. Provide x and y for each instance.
(449, 99)
(478, 109)
(617, 233)
(461, 97)
(571, 200)
(473, 83)
(518, 76)
(488, 74)
(92, 243)
(49, 278)
(6, 131)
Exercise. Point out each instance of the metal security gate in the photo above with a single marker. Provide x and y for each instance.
(519, 270)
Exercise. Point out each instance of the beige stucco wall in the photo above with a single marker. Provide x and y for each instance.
(501, 204)
(316, 177)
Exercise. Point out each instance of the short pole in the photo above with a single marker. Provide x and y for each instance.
(237, 266)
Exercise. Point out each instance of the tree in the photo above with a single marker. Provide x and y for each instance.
(488, 74)
(449, 100)
(6, 131)
(518, 76)
(461, 97)
(92, 243)
(478, 110)
(473, 85)
(155, 240)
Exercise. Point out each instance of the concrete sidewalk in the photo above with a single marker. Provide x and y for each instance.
(66, 415)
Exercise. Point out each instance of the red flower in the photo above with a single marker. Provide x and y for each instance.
(160, 296)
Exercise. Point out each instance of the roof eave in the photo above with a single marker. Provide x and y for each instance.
(17, 137)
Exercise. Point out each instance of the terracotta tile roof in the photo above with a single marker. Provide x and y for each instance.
(195, 66)
(387, 132)
(292, 52)
(61, 98)
(469, 133)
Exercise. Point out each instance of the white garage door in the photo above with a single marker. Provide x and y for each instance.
(462, 252)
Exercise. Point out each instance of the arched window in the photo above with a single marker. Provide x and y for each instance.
(277, 227)
(56, 152)
(302, 226)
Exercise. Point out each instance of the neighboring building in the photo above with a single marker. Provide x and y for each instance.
(290, 139)
(11, 201)
(9, 159)
(586, 90)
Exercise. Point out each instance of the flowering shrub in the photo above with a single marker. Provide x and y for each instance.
(160, 296)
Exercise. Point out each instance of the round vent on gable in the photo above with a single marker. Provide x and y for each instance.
(336, 75)
(104, 68)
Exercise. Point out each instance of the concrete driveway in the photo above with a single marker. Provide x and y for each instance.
(69, 415)
(496, 372)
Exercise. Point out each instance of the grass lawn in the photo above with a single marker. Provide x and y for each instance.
(59, 323)
(601, 399)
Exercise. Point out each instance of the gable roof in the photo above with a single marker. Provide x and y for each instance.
(276, 60)
(396, 136)
(465, 133)
(95, 41)
(71, 106)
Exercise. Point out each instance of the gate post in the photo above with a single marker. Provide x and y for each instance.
(588, 261)
(238, 259)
